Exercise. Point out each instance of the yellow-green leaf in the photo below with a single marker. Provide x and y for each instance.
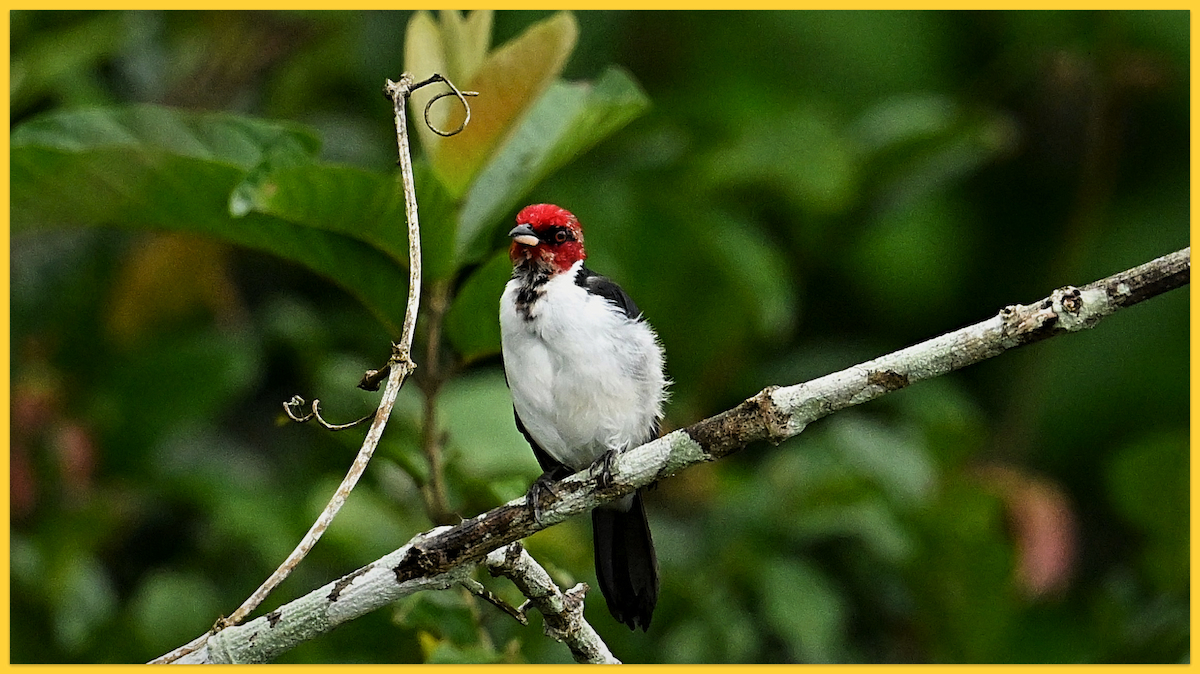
(453, 47)
(424, 55)
(509, 82)
(466, 41)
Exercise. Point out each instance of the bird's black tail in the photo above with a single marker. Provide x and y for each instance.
(626, 565)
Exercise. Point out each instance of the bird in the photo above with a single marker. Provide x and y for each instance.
(586, 373)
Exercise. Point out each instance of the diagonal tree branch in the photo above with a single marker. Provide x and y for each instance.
(442, 556)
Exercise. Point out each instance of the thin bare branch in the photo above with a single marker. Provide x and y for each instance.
(398, 93)
(476, 588)
(399, 367)
(433, 376)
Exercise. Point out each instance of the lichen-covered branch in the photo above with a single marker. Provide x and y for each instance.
(370, 587)
(775, 414)
(562, 612)
(779, 413)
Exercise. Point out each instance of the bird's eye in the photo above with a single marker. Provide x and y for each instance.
(560, 236)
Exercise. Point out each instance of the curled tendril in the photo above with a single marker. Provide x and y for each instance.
(462, 98)
(297, 403)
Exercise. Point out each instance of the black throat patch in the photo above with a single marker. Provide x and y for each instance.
(533, 286)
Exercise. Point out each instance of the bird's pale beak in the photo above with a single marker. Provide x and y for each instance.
(523, 234)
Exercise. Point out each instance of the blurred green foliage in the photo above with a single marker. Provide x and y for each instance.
(206, 222)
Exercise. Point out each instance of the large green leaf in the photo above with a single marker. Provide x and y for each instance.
(158, 168)
(343, 199)
(567, 120)
(221, 138)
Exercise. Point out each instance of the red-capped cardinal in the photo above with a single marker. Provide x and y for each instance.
(586, 374)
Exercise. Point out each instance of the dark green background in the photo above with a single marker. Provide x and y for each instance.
(806, 191)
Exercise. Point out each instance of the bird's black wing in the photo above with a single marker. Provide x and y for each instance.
(549, 464)
(608, 289)
(605, 287)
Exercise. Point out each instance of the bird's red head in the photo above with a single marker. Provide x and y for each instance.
(546, 236)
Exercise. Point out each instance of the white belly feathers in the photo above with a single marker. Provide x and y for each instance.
(585, 378)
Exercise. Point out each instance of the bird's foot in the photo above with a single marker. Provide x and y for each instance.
(604, 468)
(544, 484)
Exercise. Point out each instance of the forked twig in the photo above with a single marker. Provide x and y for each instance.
(399, 367)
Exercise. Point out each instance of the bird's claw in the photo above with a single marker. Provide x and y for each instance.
(544, 483)
(604, 468)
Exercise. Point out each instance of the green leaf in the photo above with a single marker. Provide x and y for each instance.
(890, 457)
(567, 120)
(467, 40)
(342, 199)
(437, 213)
(285, 151)
(367, 527)
(425, 55)
(448, 653)
(148, 167)
(904, 119)
(223, 138)
(753, 267)
(473, 324)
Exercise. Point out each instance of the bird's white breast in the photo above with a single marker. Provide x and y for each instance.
(585, 378)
